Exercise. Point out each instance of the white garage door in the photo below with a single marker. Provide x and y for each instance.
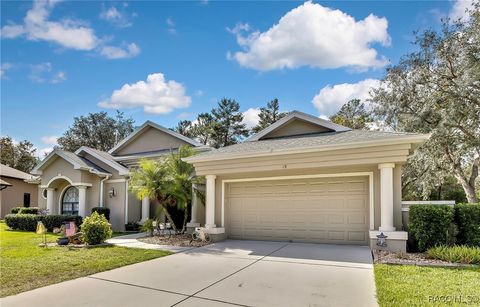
(319, 210)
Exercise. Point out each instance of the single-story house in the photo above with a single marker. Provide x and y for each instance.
(17, 189)
(75, 182)
(305, 179)
(302, 179)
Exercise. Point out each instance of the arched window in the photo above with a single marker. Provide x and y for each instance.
(70, 201)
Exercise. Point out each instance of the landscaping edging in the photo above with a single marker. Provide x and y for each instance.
(418, 259)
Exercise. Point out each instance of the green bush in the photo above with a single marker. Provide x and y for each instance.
(28, 210)
(96, 229)
(431, 225)
(28, 222)
(15, 210)
(460, 254)
(467, 218)
(102, 210)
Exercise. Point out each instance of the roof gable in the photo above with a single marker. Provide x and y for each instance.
(151, 137)
(295, 124)
(76, 161)
(102, 157)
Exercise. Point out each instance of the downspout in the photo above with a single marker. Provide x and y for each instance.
(102, 189)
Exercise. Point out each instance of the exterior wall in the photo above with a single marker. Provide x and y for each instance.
(313, 171)
(62, 167)
(116, 204)
(150, 140)
(13, 196)
(397, 197)
(134, 208)
(296, 127)
(371, 168)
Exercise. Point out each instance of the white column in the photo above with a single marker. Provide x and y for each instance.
(145, 209)
(193, 218)
(82, 200)
(386, 196)
(210, 202)
(50, 200)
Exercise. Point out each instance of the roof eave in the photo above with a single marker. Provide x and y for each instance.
(417, 139)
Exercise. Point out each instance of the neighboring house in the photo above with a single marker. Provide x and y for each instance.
(17, 189)
(74, 183)
(305, 179)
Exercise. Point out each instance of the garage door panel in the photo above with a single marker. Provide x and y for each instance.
(320, 210)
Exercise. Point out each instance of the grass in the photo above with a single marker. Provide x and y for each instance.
(26, 266)
(409, 285)
(460, 254)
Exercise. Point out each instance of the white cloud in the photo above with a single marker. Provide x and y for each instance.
(67, 33)
(171, 25)
(120, 52)
(199, 93)
(156, 95)
(331, 98)
(42, 152)
(43, 72)
(49, 140)
(316, 36)
(250, 117)
(460, 8)
(59, 77)
(116, 17)
(4, 68)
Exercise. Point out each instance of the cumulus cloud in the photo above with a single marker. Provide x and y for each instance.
(460, 10)
(250, 117)
(44, 72)
(120, 52)
(119, 18)
(4, 68)
(313, 35)
(49, 140)
(67, 33)
(171, 25)
(156, 95)
(331, 98)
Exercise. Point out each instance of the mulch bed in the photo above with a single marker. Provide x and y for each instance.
(175, 240)
(419, 259)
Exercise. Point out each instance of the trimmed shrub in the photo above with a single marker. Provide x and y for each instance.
(102, 210)
(460, 254)
(28, 222)
(28, 210)
(15, 210)
(96, 229)
(467, 218)
(431, 225)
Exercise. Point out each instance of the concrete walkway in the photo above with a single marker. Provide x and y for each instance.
(131, 241)
(229, 273)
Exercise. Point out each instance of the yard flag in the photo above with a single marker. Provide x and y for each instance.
(69, 229)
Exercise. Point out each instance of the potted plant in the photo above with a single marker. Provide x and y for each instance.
(147, 227)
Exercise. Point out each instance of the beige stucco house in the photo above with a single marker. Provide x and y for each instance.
(17, 189)
(302, 179)
(75, 182)
(305, 179)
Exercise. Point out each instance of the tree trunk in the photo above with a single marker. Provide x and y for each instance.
(167, 214)
(468, 186)
(185, 220)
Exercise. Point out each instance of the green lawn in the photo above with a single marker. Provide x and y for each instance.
(409, 285)
(25, 266)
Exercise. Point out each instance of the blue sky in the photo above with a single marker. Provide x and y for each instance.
(166, 61)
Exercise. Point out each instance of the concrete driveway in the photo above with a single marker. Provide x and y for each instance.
(229, 273)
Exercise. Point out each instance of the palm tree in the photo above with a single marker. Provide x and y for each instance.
(169, 182)
(181, 178)
(150, 180)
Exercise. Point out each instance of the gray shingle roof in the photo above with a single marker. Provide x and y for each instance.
(307, 141)
(11, 172)
(83, 162)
